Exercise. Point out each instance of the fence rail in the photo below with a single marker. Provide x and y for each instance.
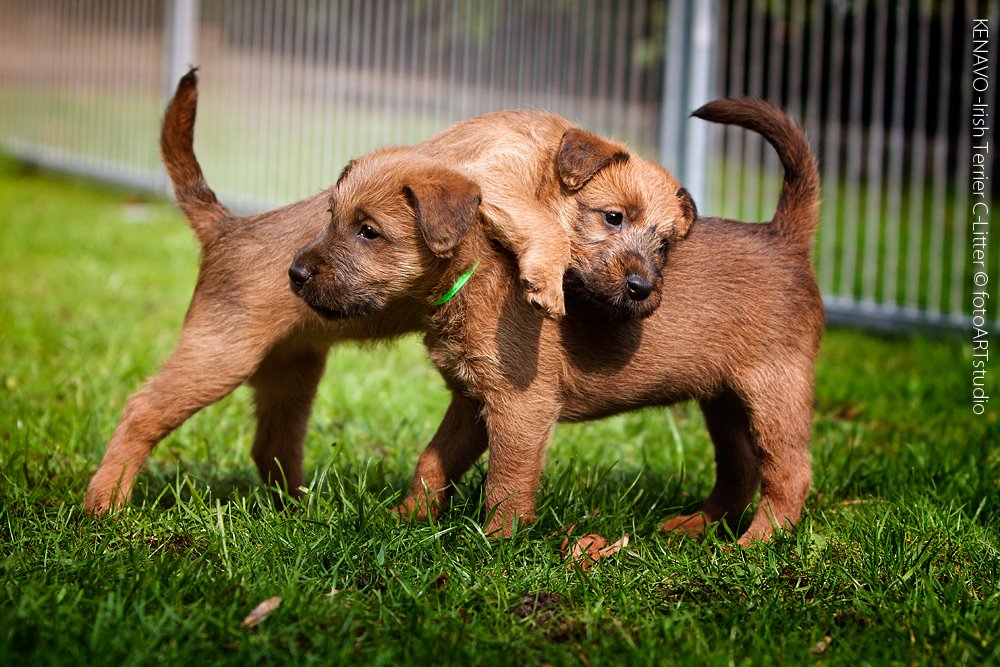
(293, 89)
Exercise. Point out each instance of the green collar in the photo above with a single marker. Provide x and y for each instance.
(459, 284)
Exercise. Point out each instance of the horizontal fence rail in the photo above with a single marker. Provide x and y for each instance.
(291, 90)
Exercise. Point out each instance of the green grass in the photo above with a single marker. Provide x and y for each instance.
(896, 560)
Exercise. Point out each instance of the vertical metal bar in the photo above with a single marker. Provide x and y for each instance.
(291, 75)
(239, 13)
(796, 55)
(634, 104)
(939, 188)
(753, 149)
(616, 66)
(734, 171)
(587, 116)
(833, 135)
(813, 113)
(376, 75)
(101, 146)
(310, 180)
(353, 64)
(894, 180)
(425, 75)
(268, 46)
(769, 183)
(961, 212)
(414, 67)
(326, 76)
(257, 93)
(672, 146)
(496, 54)
(701, 91)
(852, 181)
(477, 83)
(688, 83)
(651, 102)
(182, 41)
(876, 146)
(918, 162)
(392, 132)
(343, 84)
(448, 49)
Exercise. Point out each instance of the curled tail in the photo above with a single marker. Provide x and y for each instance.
(797, 215)
(194, 197)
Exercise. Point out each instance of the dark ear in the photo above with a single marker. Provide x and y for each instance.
(689, 212)
(445, 204)
(582, 154)
(345, 171)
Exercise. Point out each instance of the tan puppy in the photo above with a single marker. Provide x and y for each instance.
(738, 330)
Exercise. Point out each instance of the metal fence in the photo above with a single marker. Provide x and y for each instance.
(292, 89)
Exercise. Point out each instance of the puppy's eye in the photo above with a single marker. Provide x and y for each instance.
(613, 218)
(366, 232)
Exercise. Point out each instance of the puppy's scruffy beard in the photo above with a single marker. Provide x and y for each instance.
(340, 310)
(337, 302)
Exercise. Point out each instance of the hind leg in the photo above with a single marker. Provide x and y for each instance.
(737, 474)
(781, 427)
(284, 386)
(206, 366)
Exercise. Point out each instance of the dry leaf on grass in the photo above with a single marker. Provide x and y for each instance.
(261, 611)
(821, 645)
(591, 548)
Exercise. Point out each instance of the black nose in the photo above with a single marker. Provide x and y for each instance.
(299, 275)
(638, 287)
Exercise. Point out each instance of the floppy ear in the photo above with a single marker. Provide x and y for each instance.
(582, 154)
(689, 212)
(445, 204)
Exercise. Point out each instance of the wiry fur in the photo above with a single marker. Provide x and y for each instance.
(738, 330)
(543, 179)
(243, 326)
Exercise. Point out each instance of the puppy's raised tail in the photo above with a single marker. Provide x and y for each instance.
(797, 215)
(194, 197)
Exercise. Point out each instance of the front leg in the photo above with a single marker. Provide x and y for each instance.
(519, 431)
(541, 244)
(459, 441)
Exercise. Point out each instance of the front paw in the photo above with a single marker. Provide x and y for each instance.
(417, 508)
(545, 294)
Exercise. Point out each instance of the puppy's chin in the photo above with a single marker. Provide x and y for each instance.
(607, 301)
(338, 309)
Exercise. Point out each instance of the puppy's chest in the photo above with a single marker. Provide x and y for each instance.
(463, 346)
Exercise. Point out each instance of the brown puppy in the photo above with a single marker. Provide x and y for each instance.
(738, 330)
(536, 172)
